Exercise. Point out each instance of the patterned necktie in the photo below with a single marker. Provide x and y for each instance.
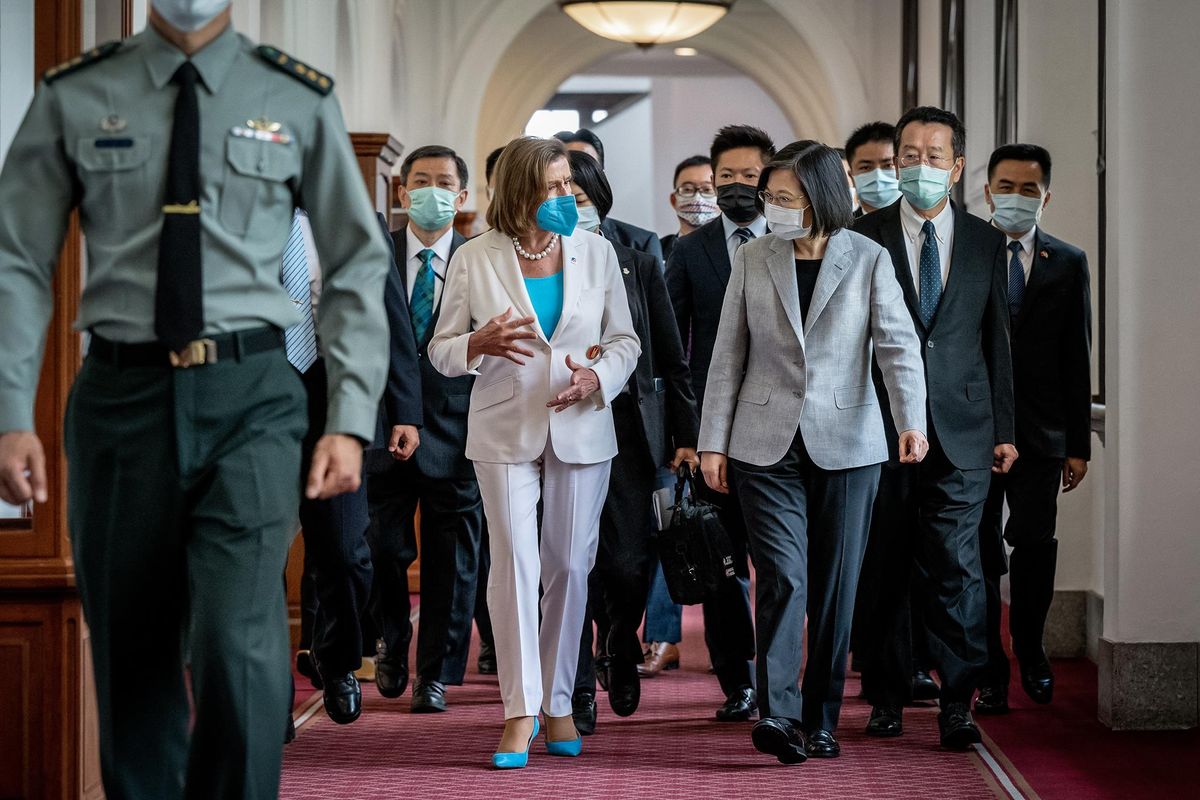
(300, 340)
(930, 274)
(744, 235)
(179, 290)
(1016, 279)
(420, 307)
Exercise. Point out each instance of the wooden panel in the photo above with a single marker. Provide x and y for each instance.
(21, 772)
(377, 153)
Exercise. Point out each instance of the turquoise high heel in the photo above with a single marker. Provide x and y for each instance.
(570, 748)
(515, 760)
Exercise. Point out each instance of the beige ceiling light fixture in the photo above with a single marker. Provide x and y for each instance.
(646, 23)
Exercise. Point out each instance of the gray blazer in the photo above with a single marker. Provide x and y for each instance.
(772, 375)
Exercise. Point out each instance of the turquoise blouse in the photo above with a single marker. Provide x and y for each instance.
(547, 296)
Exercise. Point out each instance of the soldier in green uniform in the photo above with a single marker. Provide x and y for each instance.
(186, 149)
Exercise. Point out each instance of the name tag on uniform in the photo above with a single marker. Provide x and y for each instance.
(262, 136)
(111, 143)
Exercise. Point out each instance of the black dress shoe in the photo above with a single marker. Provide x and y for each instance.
(925, 688)
(391, 677)
(1038, 681)
(885, 722)
(821, 744)
(343, 698)
(957, 728)
(429, 697)
(487, 659)
(992, 700)
(624, 687)
(583, 711)
(778, 737)
(602, 665)
(740, 706)
(307, 666)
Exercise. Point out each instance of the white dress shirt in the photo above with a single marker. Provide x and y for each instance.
(943, 229)
(441, 259)
(758, 227)
(1025, 253)
(310, 255)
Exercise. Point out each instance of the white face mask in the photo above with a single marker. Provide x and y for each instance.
(589, 218)
(786, 223)
(189, 15)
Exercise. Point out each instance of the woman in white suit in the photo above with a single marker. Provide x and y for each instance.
(537, 310)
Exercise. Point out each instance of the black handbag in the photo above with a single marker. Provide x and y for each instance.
(694, 548)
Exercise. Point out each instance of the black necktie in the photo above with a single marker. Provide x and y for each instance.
(178, 297)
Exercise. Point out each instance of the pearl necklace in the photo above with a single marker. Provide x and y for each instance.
(534, 256)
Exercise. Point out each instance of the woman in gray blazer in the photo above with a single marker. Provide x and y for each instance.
(791, 418)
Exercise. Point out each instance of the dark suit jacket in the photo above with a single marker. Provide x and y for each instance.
(442, 453)
(968, 365)
(697, 275)
(668, 244)
(633, 237)
(1051, 351)
(661, 383)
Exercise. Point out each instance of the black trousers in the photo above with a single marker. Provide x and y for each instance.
(1031, 489)
(620, 580)
(927, 517)
(728, 622)
(451, 530)
(483, 618)
(808, 531)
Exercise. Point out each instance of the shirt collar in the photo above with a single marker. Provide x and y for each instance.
(1026, 240)
(212, 61)
(440, 248)
(758, 227)
(912, 222)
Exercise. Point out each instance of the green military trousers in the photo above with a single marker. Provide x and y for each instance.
(183, 500)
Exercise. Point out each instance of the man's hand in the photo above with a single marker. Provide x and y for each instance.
(584, 381)
(22, 468)
(500, 338)
(336, 467)
(1002, 458)
(913, 447)
(404, 442)
(686, 455)
(1073, 471)
(715, 469)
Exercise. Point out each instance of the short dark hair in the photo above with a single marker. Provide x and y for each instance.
(789, 152)
(1022, 152)
(434, 151)
(489, 166)
(583, 135)
(819, 169)
(690, 161)
(877, 131)
(587, 174)
(732, 137)
(937, 116)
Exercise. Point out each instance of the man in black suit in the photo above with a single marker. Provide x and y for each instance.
(693, 198)
(697, 275)
(585, 141)
(1049, 298)
(951, 268)
(439, 477)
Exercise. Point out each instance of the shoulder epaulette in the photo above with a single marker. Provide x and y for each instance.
(93, 56)
(317, 81)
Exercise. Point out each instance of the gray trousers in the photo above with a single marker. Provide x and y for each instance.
(808, 531)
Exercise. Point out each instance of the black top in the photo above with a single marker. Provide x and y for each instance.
(806, 280)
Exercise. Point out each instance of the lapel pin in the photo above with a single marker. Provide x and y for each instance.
(623, 269)
(112, 124)
(594, 352)
(1044, 254)
(263, 124)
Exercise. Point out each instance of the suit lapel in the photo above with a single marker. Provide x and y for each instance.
(400, 242)
(504, 263)
(718, 253)
(782, 267)
(571, 280)
(892, 232)
(1039, 273)
(960, 260)
(833, 269)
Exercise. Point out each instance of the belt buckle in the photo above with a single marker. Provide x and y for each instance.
(196, 353)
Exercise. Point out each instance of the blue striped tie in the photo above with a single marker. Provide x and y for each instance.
(300, 340)
(420, 307)
(1016, 279)
(930, 274)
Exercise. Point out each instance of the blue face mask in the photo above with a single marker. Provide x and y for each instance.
(878, 188)
(924, 186)
(1016, 213)
(558, 215)
(431, 207)
(589, 218)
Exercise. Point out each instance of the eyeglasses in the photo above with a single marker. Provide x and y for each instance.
(783, 200)
(689, 192)
(913, 159)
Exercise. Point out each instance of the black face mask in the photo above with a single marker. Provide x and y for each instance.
(738, 202)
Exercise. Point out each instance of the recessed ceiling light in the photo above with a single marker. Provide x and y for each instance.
(686, 51)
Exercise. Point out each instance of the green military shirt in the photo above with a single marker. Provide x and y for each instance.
(97, 138)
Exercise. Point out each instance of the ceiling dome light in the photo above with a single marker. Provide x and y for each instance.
(646, 22)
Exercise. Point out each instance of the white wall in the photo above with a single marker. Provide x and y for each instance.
(630, 152)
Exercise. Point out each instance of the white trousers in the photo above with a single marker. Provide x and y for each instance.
(535, 666)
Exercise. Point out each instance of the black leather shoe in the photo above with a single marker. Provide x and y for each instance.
(992, 700)
(307, 666)
(583, 711)
(391, 677)
(429, 697)
(343, 698)
(740, 706)
(885, 722)
(1038, 681)
(957, 728)
(925, 688)
(624, 687)
(821, 744)
(602, 664)
(778, 737)
(487, 659)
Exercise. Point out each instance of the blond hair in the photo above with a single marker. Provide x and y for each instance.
(520, 183)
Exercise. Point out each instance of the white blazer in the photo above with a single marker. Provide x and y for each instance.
(508, 421)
